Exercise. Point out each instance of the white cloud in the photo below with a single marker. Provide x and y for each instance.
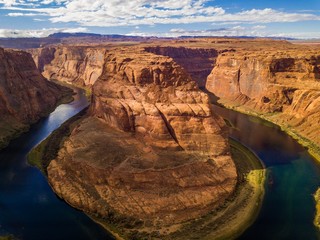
(236, 31)
(259, 27)
(7, 2)
(8, 33)
(19, 14)
(101, 13)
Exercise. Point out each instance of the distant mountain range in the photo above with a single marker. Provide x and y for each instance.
(56, 38)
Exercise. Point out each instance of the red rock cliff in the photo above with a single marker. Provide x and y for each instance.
(25, 95)
(284, 85)
(76, 65)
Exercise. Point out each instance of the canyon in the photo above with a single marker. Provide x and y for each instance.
(76, 65)
(25, 95)
(281, 85)
(275, 80)
(151, 154)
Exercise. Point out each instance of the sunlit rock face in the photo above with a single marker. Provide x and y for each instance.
(151, 148)
(78, 65)
(25, 95)
(284, 83)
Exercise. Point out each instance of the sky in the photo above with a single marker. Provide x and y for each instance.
(162, 18)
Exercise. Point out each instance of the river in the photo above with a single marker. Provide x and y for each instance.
(288, 208)
(29, 209)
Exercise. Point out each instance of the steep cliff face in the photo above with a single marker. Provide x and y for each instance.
(152, 150)
(76, 65)
(42, 56)
(198, 62)
(283, 85)
(25, 95)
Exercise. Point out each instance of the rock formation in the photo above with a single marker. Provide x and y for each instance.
(198, 62)
(283, 85)
(25, 95)
(152, 153)
(151, 150)
(77, 65)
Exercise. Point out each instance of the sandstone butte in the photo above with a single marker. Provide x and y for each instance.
(151, 149)
(25, 95)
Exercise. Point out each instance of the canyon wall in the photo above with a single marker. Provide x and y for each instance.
(25, 95)
(75, 65)
(282, 86)
(151, 150)
(198, 62)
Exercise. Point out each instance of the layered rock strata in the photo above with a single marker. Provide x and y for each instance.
(25, 95)
(284, 86)
(77, 65)
(151, 151)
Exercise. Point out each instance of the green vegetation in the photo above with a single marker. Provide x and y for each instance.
(87, 89)
(88, 93)
(7, 237)
(47, 150)
(267, 120)
(313, 149)
(316, 221)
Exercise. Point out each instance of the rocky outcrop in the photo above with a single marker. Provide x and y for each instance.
(25, 95)
(151, 153)
(198, 62)
(282, 85)
(77, 65)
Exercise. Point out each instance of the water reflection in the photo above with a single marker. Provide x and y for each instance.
(288, 208)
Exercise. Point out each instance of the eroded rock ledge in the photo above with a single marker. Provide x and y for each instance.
(151, 151)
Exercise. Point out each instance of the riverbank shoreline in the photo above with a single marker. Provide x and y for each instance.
(312, 148)
(15, 129)
(241, 210)
(228, 222)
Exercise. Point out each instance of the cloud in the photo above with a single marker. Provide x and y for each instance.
(236, 31)
(253, 31)
(19, 14)
(15, 33)
(7, 2)
(101, 13)
(259, 27)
